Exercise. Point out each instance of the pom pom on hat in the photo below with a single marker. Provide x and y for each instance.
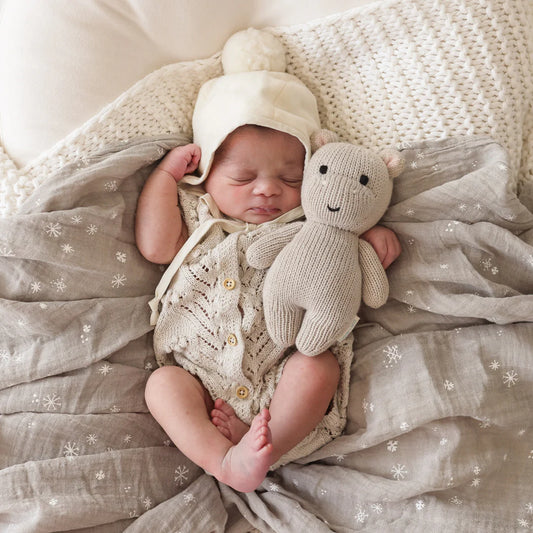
(251, 50)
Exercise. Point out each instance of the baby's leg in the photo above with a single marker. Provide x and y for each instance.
(177, 401)
(301, 398)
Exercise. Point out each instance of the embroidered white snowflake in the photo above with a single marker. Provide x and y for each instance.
(115, 409)
(523, 523)
(392, 355)
(404, 426)
(111, 186)
(340, 457)
(448, 385)
(181, 475)
(35, 287)
(189, 498)
(147, 503)
(71, 450)
(100, 475)
(361, 516)
(118, 280)
(456, 500)
(6, 252)
(484, 423)
(91, 439)
(377, 508)
(462, 207)
(121, 256)
(76, 219)
(274, 487)
(444, 266)
(92, 229)
(59, 285)
(419, 505)
(475, 482)
(368, 406)
(399, 471)
(410, 212)
(67, 249)
(53, 229)
(127, 439)
(53, 502)
(510, 378)
(105, 369)
(392, 446)
(4, 356)
(494, 365)
(529, 508)
(52, 402)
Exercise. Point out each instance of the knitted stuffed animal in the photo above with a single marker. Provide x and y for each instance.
(312, 292)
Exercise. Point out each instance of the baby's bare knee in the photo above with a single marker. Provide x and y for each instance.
(322, 369)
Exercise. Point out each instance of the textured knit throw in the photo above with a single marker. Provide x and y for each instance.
(391, 72)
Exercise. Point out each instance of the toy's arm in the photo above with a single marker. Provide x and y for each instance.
(375, 285)
(261, 253)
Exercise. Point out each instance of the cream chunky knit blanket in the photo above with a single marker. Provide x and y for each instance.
(391, 72)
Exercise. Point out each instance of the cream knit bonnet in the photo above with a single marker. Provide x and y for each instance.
(255, 89)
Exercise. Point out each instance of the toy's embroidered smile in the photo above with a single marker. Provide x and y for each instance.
(333, 209)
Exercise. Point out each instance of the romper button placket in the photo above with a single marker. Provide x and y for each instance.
(229, 284)
(232, 340)
(242, 392)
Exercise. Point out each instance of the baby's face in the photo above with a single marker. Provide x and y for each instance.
(256, 175)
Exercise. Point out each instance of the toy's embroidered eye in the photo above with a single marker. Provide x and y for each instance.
(363, 180)
(323, 169)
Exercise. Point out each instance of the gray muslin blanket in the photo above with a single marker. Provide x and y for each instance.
(439, 434)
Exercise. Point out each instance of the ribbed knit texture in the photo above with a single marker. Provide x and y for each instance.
(313, 289)
(387, 73)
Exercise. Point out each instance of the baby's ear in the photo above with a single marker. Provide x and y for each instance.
(321, 137)
(394, 161)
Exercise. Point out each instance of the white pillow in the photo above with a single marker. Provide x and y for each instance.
(61, 61)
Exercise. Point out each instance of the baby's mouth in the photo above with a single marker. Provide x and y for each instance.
(333, 209)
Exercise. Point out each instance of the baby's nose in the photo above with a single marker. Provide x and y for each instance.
(267, 186)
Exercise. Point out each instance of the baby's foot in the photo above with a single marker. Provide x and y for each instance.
(246, 464)
(228, 423)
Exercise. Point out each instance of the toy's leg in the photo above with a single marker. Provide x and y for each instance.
(283, 323)
(320, 330)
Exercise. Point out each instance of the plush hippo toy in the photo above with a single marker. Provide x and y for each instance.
(313, 290)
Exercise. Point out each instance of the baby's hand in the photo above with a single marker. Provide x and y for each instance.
(180, 161)
(384, 242)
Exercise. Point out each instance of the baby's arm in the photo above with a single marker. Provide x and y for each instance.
(159, 228)
(385, 243)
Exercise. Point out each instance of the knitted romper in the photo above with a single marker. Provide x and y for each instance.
(211, 323)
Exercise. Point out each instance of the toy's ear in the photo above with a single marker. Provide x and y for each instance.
(321, 137)
(394, 161)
